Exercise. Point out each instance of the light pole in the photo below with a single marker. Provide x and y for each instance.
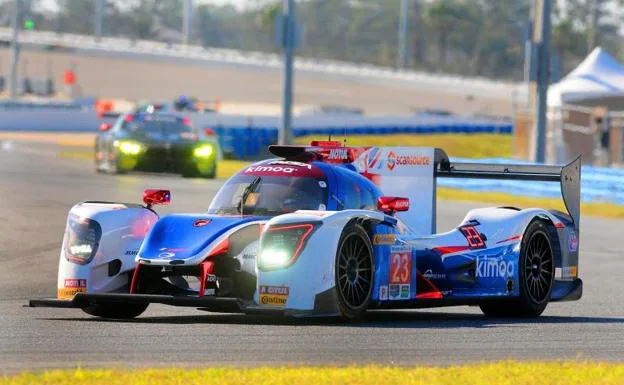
(288, 43)
(99, 14)
(187, 20)
(402, 35)
(15, 24)
(539, 86)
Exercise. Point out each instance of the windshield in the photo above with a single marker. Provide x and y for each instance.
(157, 125)
(269, 195)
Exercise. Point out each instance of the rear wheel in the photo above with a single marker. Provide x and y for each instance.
(116, 310)
(354, 271)
(535, 276)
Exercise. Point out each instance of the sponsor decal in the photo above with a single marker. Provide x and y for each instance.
(489, 267)
(72, 286)
(211, 278)
(201, 222)
(572, 242)
(80, 249)
(292, 163)
(384, 239)
(132, 252)
(395, 160)
(273, 295)
(400, 266)
(569, 272)
(398, 292)
(171, 250)
(166, 255)
(383, 293)
(391, 160)
(278, 169)
(322, 184)
(210, 292)
(429, 274)
(338, 154)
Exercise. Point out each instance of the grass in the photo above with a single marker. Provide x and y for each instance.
(460, 145)
(500, 373)
(606, 210)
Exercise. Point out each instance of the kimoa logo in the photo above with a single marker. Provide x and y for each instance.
(286, 170)
(488, 267)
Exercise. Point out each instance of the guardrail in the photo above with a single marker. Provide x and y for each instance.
(248, 136)
(149, 48)
(598, 184)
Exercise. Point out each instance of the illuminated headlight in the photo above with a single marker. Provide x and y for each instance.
(281, 245)
(203, 151)
(273, 258)
(130, 148)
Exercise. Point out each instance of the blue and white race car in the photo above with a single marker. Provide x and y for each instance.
(326, 230)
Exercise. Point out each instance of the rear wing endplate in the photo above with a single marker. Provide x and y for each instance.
(569, 177)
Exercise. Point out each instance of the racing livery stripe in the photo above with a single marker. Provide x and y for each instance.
(450, 249)
(514, 238)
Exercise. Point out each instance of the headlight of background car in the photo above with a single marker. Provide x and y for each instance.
(129, 147)
(280, 245)
(203, 151)
(82, 238)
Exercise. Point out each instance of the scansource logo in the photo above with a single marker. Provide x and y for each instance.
(391, 160)
(395, 160)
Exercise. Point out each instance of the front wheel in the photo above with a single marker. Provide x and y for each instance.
(354, 271)
(535, 277)
(116, 311)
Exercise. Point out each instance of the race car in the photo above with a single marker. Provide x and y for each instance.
(160, 142)
(326, 230)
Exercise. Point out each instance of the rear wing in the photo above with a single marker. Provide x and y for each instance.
(568, 176)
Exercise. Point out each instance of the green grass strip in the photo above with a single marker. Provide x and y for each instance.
(499, 373)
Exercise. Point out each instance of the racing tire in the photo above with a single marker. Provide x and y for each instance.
(116, 310)
(354, 271)
(536, 274)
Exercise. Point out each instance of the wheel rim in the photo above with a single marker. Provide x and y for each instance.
(354, 272)
(538, 267)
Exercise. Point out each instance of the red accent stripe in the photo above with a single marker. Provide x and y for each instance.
(514, 238)
(206, 268)
(559, 225)
(135, 279)
(450, 249)
(432, 295)
(431, 291)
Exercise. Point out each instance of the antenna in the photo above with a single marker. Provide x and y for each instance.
(345, 136)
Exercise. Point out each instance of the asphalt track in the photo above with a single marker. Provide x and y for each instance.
(37, 188)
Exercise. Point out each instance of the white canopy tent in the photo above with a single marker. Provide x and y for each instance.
(599, 76)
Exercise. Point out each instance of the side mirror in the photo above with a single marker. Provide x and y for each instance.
(390, 205)
(153, 197)
(105, 127)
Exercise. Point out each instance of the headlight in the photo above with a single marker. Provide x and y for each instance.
(281, 245)
(130, 148)
(203, 151)
(82, 238)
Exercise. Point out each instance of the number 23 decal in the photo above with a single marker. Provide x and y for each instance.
(401, 267)
(474, 238)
